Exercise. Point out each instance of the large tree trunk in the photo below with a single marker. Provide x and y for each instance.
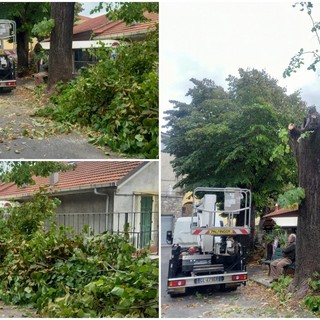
(60, 53)
(23, 50)
(307, 152)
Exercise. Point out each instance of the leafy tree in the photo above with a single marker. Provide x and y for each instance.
(25, 14)
(255, 86)
(22, 172)
(298, 59)
(117, 98)
(305, 143)
(128, 11)
(228, 138)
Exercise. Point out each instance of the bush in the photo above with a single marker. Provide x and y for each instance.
(67, 275)
(312, 300)
(281, 288)
(117, 97)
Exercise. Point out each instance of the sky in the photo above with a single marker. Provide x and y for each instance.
(214, 39)
(88, 6)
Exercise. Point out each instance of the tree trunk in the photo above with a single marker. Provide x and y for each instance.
(307, 152)
(22, 50)
(60, 53)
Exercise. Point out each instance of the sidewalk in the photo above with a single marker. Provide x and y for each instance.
(26, 82)
(259, 274)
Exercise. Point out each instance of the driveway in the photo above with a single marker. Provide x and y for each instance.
(255, 300)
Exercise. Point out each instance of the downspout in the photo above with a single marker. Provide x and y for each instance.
(107, 206)
(133, 216)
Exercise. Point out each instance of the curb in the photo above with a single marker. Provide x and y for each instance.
(264, 282)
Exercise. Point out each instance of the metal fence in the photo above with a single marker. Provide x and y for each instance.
(122, 223)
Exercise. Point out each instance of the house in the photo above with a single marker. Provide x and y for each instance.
(118, 196)
(80, 19)
(285, 218)
(88, 33)
(101, 28)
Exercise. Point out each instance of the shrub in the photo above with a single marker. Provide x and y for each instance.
(117, 97)
(281, 288)
(312, 300)
(67, 275)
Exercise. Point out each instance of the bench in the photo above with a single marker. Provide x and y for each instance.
(277, 255)
(289, 268)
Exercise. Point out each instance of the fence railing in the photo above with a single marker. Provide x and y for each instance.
(122, 223)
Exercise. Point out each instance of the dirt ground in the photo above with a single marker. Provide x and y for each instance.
(255, 300)
(250, 301)
(17, 109)
(16, 312)
(25, 135)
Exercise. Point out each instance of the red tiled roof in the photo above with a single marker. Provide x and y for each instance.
(283, 212)
(102, 27)
(81, 19)
(92, 24)
(87, 174)
(121, 29)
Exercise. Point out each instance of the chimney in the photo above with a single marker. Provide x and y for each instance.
(54, 178)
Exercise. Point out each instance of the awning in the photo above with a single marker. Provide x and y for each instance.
(86, 44)
(286, 221)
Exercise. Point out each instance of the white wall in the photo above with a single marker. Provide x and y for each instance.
(128, 199)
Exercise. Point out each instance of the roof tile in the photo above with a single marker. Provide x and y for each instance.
(101, 26)
(86, 174)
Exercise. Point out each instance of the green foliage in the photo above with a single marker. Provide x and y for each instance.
(21, 172)
(298, 59)
(277, 232)
(281, 288)
(26, 15)
(229, 138)
(291, 198)
(118, 98)
(62, 274)
(312, 300)
(24, 220)
(283, 148)
(43, 28)
(65, 275)
(129, 12)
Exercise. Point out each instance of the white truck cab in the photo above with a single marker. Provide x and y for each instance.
(182, 233)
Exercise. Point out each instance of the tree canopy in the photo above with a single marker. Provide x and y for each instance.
(228, 138)
(26, 15)
(22, 172)
(127, 11)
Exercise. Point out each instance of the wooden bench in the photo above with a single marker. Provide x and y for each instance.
(277, 255)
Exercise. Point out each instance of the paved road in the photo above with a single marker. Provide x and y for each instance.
(251, 301)
(9, 311)
(24, 136)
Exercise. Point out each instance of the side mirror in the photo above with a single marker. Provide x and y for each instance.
(169, 237)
